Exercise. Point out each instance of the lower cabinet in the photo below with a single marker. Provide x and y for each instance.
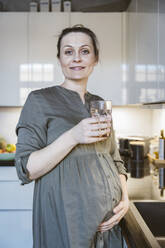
(16, 228)
(15, 210)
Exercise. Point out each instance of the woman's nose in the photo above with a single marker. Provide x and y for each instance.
(77, 57)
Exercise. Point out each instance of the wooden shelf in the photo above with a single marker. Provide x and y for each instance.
(157, 162)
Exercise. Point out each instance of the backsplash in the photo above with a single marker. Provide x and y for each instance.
(126, 120)
(132, 121)
(158, 121)
(138, 121)
(8, 119)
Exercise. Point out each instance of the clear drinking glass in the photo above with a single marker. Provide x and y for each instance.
(100, 108)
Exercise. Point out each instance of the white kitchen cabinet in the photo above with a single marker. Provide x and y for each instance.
(161, 54)
(15, 210)
(16, 229)
(106, 79)
(32, 57)
(131, 52)
(145, 51)
(28, 54)
(142, 83)
(43, 32)
(17, 196)
(13, 43)
(146, 69)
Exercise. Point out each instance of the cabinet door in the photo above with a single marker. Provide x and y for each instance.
(15, 210)
(16, 228)
(142, 84)
(16, 196)
(131, 54)
(43, 68)
(8, 173)
(161, 55)
(146, 81)
(13, 43)
(106, 80)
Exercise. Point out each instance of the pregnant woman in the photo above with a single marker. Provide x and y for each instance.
(80, 192)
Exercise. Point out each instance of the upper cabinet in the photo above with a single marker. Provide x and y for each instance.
(13, 43)
(29, 60)
(161, 54)
(131, 68)
(43, 31)
(106, 80)
(145, 51)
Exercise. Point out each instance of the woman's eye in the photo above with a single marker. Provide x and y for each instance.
(68, 52)
(85, 51)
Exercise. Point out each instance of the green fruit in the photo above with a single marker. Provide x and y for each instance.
(3, 143)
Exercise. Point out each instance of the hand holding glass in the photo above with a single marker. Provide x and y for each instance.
(101, 108)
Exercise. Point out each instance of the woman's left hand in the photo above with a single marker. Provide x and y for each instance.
(119, 212)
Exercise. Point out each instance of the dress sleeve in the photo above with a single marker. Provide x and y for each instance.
(115, 155)
(31, 132)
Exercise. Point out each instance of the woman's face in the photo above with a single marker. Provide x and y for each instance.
(77, 57)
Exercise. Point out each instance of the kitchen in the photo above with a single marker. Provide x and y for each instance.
(132, 61)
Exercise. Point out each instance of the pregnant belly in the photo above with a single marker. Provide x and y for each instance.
(84, 178)
(79, 190)
(91, 181)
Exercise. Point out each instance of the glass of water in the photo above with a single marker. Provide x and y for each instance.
(100, 108)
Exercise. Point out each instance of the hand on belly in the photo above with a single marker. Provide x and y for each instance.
(119, 212)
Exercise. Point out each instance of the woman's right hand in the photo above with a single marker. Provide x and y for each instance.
(91, 130)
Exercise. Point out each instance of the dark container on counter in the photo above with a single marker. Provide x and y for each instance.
(134, 154)
(125, 152)
(137, 150)
(139, 168)
(139, 164)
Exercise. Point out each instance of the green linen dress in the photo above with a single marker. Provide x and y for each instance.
(72, 199)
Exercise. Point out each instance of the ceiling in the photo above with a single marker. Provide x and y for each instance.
(77, 5)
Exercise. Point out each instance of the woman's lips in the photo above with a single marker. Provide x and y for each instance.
(77, 68)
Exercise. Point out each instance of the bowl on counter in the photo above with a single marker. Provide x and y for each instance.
(7, 159)
(7, 156)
